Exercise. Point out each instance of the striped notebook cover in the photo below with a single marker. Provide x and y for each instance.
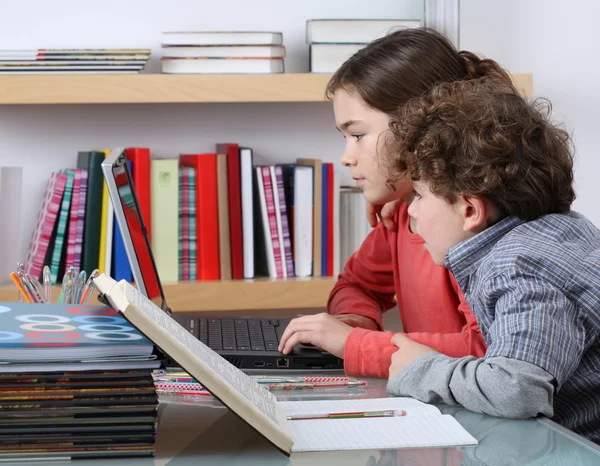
(74, 212)
(83, 182)
(192, 222)
(45, 223)
(63, 217)
(277, 248)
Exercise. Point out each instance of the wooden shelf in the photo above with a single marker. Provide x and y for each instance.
(164, 88)
(234, 295)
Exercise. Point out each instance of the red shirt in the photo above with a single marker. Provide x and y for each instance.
(393, 268)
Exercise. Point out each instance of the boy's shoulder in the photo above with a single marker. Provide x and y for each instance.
(557, 243)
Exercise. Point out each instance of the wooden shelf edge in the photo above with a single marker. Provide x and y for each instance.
(233, 295)
(164, 88)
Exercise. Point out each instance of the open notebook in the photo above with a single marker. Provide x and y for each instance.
(423, 426)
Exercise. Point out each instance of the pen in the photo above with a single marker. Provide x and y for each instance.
(47, 283)
(20, 287)
(29, 287)
(36, 287)
(349, 415)
(310, 386)
(88, 289)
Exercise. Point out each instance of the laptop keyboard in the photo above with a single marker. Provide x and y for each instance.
(239, 334)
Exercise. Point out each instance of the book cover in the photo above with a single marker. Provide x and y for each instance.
(56, 332)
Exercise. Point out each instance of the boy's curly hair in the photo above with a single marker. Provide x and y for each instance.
(480, 137)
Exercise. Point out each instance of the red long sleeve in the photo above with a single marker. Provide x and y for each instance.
(431, 305)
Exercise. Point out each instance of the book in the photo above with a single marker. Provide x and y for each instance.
(353, 31)
(259, 407)
(222, 38)
(222, 65)
(34, 333)
(225, 51)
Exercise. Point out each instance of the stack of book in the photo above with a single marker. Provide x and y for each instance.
(71, 61)
(333, 41)
(75, 382)
(222, 52)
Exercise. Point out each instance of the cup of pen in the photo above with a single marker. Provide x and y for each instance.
(76, 288)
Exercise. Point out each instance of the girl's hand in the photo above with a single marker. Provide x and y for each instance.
(320, 330)
(384, 213)
(408, 351)
(355, 320)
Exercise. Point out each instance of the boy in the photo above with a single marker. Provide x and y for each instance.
(493, 185)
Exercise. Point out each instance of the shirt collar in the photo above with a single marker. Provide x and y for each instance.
(465, 258)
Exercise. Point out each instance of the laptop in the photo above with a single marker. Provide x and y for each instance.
(247, 343)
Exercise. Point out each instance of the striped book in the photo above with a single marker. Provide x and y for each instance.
(184, 219)
(192, 222)
(285, 228)
(45, 224)
(61, 229)
(277, 247)
(73, 215)
(83, 183)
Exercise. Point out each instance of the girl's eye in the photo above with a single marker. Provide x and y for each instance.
(358, 137)
(416, 195)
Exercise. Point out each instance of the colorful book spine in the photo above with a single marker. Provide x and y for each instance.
(192, 222)
(287, 240)
(268, 186)
(83, 184)
(74, 212)
(45, 223)
(62, 227)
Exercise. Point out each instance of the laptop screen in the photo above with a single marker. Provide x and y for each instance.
(117, 173)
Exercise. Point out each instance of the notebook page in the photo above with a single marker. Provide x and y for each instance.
(378, 433)
(410, 405)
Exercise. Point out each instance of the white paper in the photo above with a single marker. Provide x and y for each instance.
(410, 405)
(379, 433)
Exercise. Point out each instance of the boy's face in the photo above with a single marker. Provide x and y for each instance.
(365, 129)
(439, 223)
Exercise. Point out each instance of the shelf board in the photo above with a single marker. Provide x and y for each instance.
(234, 295)
(164, 88)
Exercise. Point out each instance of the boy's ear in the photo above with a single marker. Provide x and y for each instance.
(475, 211)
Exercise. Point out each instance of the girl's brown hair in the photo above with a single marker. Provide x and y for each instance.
(480, 137)
(390, 71)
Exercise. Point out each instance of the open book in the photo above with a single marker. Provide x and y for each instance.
(422, 426)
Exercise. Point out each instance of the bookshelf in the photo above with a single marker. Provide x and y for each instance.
(230, 295)
(242, 295)
(163, 88)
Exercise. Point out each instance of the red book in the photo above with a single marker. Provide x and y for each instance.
(330, 220)
(235, 208)
(140, 161)
(207, 214)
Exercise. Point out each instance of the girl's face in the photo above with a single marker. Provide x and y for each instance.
(365, 130)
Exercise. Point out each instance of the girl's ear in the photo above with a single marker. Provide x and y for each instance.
(476, 212)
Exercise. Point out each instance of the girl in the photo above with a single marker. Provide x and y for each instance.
(390, 268)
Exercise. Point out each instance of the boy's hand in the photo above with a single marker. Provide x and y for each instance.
(384, 213)
(355, 320)
(408, 351)
(321, 330)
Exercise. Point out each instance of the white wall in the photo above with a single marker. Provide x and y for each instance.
(543, 37)
(45, 138)
(557, 41)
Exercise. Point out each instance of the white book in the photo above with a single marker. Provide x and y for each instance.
(11, 194)
(257, 406)
(353, 31)
(247, 211)
(303, 220)
(222, 65)
(224, 51)
(221, 38)
(327, 58)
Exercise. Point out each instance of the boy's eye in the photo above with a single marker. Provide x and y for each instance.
(358, 137)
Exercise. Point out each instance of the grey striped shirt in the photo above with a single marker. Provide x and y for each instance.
(534, 288)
